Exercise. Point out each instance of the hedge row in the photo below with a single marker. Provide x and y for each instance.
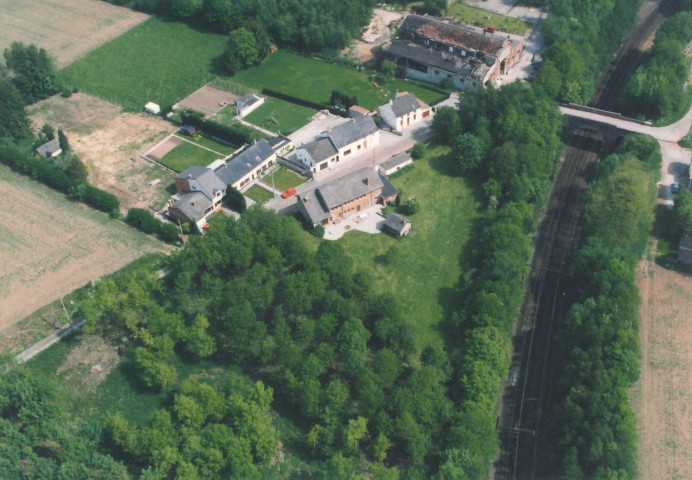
(235, 134)
(144, 221)
(305, 103)
(56, 178)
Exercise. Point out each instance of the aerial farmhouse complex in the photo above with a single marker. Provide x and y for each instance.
(431, 49)
(404, 111)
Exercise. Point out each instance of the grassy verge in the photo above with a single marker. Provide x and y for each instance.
(284, 179)
(158, 61)
(479, 17)
(226, 115)
(258, 194)
(218, 147)
(279, 115)
(314, 80)
(426, 265)
(186, 155)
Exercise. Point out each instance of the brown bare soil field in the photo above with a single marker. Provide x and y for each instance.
(162, 149)
(208, 100)
(110, 142)
(662, 399)
(67, 29)
(89, 362)
(50, 246)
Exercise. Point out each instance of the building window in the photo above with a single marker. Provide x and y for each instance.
(324, 165)
(451, 49)
(463, 53)
(359, 147)
(347, 152)
(437, 72)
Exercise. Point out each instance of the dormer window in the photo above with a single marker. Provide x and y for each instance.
(451, 49)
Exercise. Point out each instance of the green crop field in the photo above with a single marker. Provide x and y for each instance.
(278, 115)
(313, 80)
(479, 17)
(186, 155)
(284, 179)
(425, 268)
(158, 61)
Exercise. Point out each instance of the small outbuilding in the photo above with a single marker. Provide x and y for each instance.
(357, 111)
(49, 149)
(395, 164)
(397, 225)
(189, 130)
(248, 103)
(152, 108)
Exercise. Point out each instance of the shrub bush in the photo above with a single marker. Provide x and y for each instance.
(410, 206)
(418, 150)
(317, 231)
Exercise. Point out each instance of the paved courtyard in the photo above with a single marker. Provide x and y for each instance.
(369, 220)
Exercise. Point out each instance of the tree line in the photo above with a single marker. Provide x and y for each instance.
(595, 435)
(508, 140)
(303, 25)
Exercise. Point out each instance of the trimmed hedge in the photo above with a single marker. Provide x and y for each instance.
(144, 221)
(56, 178)
(305, 103)
(235, 134)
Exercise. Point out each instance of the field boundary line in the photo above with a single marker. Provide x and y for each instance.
(198, 145)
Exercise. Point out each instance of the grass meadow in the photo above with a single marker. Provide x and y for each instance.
(313, 80)
(186, 155)
(258, 194)
(479, 17)
(158, 61)
(425, 268)
(284, 179)
(205, 142)
(278, 115)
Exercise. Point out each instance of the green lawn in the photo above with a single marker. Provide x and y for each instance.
(186, 155)
(226, 115)
(158, 61)
(479, 17)
(284, 179)
(313, 80)
(258, 194)
(206, 142)
(426, 267)
(280, 116)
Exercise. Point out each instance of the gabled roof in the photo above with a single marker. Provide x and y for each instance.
(396, 222)
(191, 173)
(49, 148)
(396, 161)
(278, 142)
(319, 201)
(208, 182)
(468, 66)
(402, 105)
(358, 109)
(248, 100)
(352, 131)
(193, 205)
(320, 149)
(244, 161)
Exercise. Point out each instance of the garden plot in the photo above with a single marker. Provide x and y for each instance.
(67, 29)
(110, 142)
(208, 100)
(51, 245)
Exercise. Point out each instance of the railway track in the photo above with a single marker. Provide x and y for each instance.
(523, 433)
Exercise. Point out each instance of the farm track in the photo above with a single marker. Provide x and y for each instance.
(524, 449)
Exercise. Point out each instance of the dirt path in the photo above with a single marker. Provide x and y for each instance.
(662, 399)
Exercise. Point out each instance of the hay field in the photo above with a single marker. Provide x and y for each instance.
(67, 29)
(50, 246)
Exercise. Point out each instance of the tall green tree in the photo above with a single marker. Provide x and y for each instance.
(33, 71)
(241, 51)
(14, 121)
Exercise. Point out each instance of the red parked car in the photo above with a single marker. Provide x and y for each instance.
(288, 193)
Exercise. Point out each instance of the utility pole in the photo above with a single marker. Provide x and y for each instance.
(65, 310)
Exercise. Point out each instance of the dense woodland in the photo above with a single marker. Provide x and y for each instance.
(595, 434)
(656, 88)
(303, 25)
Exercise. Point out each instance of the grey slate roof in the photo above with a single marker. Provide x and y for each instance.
(395, 161)
(404, 104)
(208, 181)
(49, 148)
(247, 100)
(191, 172)
(352, 131)
(193, 205)
(470, 67)
(396, 222)
(319, 201)
(685, 250)
(279, 141)
(244, 162)
(320, 149)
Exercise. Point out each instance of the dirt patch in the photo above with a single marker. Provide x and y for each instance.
(158, 152)
(50, 246)
(662, 399)
(89, 362)
(110, 142)
(375, 34)
(208, 100)
(67, 29)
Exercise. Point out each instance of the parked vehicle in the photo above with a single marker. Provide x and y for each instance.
(288, 193)
(674, 188)
(489, 29)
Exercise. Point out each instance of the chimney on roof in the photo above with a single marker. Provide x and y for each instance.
(189, 175)
(194, 204)
(367, 180)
